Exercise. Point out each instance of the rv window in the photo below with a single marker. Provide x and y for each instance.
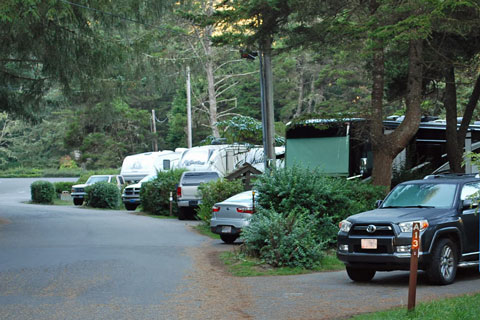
(166, 164)
(195, 178)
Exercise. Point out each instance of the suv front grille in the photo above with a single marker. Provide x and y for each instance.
(366, 230)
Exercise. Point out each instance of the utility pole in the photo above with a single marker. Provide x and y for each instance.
(189, 111)
(154, 131)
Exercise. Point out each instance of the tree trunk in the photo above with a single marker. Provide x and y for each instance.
(454, 153)
(209, 67)
(467, 115)
(301, 83)
(387, 147)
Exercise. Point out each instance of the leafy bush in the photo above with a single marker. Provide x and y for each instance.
(155, 194)
(298, 214)
(216, 191)
(284, 239)
(103, 195)
(63, 186)
(295, 189)
(42, 191)
(21, 172)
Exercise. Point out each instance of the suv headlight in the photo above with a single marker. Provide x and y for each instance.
(345, 225)
(407, 226)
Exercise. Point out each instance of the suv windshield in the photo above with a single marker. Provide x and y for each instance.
(421, 195)
(93, 180)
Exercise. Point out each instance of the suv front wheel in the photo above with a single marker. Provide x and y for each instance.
(360, 274)
(443, 268)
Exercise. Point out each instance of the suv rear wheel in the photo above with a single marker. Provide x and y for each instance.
(443, 267)
(228, 238)
(360, 274)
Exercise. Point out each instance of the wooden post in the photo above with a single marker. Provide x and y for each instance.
(412, 286)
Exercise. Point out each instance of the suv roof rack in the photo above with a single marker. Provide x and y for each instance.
(452, 175)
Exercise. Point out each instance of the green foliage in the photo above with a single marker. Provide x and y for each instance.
(284, 239)
(216, 191)
(42, 191)
(62, 186)
(103, 195)
(295, 189)
(155, 194)
(106, 132)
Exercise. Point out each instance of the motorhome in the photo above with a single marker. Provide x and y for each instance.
(137, 166)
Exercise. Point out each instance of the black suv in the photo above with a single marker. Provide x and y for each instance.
(445, 206)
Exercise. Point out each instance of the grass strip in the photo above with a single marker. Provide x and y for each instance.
(465, 307)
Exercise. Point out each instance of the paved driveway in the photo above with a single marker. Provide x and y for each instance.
(73, 263)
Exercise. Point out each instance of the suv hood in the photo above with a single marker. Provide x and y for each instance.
(136, 185)
(397, 215)
(80, 185)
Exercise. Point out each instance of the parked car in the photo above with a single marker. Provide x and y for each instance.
(188, 195)
(78, 190)
(380, 239)
(230, 216)
(131, 193)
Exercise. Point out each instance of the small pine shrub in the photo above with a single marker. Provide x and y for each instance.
(155, 194)
(286, 239)
(216, 191)
(103, 195)
(42, 191)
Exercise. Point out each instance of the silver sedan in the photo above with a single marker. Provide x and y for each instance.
(230, 216)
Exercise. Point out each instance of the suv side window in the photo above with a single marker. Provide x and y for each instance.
(470, 191)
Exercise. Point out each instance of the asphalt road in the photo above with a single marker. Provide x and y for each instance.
(75, 263)
(61, 262)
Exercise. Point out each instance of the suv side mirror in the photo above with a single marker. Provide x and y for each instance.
(469, 204)
(378, 203)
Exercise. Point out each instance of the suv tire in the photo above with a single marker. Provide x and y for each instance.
(130, 206)
(228, 238)
(77, 201)
(182, 213)
(443, 268)
(360, 274)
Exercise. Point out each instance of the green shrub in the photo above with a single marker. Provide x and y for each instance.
(21, 172)
(103, 195)
(216, 191)
(295, 189)
(42, 192)
(63, 186)
(286, 239)
(155, 194)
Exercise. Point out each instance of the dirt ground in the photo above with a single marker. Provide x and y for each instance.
(210, 292)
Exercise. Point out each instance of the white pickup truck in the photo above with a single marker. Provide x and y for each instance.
(188, 195)
(78, 190)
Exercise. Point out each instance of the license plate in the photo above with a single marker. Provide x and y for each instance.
(132, 200)
(193, 203)
(226, 229)
(369, 243)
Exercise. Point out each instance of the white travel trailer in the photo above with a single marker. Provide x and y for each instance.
(223, 158)
(137, 166)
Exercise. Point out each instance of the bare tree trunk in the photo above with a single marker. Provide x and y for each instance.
(209, 70)
(454, 154)
(312, 95)
(387, 147)
(301, 83)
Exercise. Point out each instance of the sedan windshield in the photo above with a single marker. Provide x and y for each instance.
(421, 195)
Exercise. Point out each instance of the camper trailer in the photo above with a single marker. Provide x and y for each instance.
(223, 158)
(137, 166)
